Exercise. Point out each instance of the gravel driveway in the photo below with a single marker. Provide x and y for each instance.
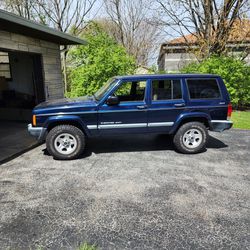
(130, 193)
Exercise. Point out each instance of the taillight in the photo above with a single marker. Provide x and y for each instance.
(229, 110)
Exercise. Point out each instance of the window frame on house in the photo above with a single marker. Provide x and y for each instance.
(6, 63)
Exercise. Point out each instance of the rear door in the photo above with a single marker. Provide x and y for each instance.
(166, 104)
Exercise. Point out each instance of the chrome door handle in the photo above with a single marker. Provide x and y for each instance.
(142, 106)
(179, 104)
(222, 103)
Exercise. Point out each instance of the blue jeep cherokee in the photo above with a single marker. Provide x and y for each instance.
(183, 105)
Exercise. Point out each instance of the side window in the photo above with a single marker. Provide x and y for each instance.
(131, 91)
(203, 89)
(166, 90)
(5, 65)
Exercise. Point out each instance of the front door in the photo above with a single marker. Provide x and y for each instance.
(130, 115)
(166, 104)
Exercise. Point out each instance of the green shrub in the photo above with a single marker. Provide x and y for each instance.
(234, 72)
(96, 62)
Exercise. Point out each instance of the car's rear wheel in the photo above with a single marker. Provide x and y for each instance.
(191, 138)
(65, 142)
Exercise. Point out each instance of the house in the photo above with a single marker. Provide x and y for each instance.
(30, 65)
(177, 53)
(143, 70)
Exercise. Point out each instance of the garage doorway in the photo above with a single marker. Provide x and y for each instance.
(21, 89)
(21, 84)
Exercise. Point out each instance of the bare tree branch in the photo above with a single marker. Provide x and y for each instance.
(210, 21)
(132, 27)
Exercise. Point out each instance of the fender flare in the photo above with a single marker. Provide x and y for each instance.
(188, 116)
(67, 118)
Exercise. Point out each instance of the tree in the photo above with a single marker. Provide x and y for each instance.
(209, 21)
(92, 65)
(28, 9)
(235, 73)
(63, 15)
(66, 16)
(129, 24)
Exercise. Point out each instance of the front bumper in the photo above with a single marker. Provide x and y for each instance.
(221, 125)
(38, 132)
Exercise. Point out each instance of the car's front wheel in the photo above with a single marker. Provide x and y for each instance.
(191, 138)
(65, 142)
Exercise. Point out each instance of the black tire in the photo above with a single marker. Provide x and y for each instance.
(74, 133)
(181, 136)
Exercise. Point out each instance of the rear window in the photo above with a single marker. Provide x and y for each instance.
(203, 89)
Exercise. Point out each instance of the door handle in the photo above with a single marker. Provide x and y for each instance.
(179, 104)
(142, 106)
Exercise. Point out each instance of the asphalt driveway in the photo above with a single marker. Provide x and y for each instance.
(134, 192)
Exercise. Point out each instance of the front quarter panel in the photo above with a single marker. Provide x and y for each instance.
(71, 119)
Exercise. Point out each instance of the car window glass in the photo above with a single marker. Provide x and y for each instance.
(105, 88)
(131, 91)
(166, 90)
(203, 88)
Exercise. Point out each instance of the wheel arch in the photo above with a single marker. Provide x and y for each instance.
(66, 120)
(192, 117)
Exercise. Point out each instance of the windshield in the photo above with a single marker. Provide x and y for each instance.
(107, 86)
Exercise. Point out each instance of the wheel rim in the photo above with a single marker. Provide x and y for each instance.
(192, 138)
(65, 143)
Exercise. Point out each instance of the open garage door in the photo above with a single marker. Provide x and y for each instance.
(21, 88)
(21, 84)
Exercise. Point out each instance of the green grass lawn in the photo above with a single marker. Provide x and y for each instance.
(241, 119)
(86, 246)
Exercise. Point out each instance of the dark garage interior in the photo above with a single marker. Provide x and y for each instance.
(21, 85)
(21, 88)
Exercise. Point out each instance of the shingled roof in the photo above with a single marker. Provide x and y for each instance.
(240, 33)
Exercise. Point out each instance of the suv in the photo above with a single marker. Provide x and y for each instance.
(183, 105)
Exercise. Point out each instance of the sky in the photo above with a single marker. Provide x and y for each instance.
(98, 12)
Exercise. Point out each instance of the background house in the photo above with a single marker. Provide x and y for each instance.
(177, 53)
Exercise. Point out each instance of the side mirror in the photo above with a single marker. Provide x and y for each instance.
(112, 100)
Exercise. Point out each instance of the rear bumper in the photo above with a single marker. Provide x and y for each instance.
(221, 125)
(38, 132)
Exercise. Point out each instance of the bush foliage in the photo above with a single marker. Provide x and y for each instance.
(96, 62)
(235, 73)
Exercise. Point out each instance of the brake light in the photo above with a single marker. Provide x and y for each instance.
(34, 120)
(229, 110)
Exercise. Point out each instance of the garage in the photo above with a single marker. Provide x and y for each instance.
(30, 73)
(21, 84)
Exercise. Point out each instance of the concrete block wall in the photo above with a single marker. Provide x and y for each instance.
(50, 55)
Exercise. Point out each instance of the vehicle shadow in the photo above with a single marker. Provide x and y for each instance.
(135, 143)
(215, 143)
